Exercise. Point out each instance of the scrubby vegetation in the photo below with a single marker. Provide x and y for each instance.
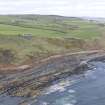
(20, 49)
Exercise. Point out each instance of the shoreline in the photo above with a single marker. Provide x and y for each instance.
(29, 83)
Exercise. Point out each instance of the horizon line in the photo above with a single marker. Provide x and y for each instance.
(13, 14)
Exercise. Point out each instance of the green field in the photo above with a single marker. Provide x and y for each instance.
(49, 26)
(49, 35)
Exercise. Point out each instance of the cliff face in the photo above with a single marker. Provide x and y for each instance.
(30, 82)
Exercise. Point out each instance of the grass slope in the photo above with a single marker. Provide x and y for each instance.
(49, 26)
(51, 35)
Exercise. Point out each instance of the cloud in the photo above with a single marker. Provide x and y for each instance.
(58, 7)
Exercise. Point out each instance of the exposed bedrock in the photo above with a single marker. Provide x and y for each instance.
(30, 82)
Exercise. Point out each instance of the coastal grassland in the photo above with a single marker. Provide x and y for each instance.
(37, 47)
(50, 35)
(49, 26)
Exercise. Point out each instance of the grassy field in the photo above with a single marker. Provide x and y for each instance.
(49, 26)
(49, 35)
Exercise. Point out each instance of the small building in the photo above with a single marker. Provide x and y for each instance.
(26, 36)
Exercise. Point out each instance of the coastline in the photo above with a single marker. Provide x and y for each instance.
(29, 83)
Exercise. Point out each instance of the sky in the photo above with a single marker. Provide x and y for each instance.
(78, 8)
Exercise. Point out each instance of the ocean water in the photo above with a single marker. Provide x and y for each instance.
(87, 88)
(83, 89)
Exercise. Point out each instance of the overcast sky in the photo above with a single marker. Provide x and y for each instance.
(92, 8)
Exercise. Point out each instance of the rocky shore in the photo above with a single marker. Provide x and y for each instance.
(29, 82)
